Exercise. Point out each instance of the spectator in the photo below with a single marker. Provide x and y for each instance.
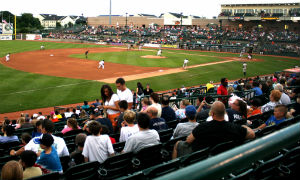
(274, 100)
(155, 122)
(21, 121)
(53, 117)
(255, 107)
(58, 115)
(111, 104)
(295, 109)
(167, 112)
(233, 97)
(222, 90)
(139, 92)
(123, 105)
(40, 116)
(148, 91)
(59, 143)
(96, 104)
(74, 114)
(180, 113)
(83, 115)
(154, 99)
(211, 133)
(204, 108)
(145, 104)
(280, 112)
(184, 129)
(48, 159)
(12, 170)
(102, 121)
(97, 147)
(85, 106)
(27, 124)
(123, 92)
(8, 134)
(285, 99)
(71, 125)
(37, 129)
(256, 88)
(77, 154)
(68, 114)
(28, 159)
(128, 126)
(25, 138)
(238, 111)
(144, 138)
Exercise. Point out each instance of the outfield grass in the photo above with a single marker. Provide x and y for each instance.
(21, 90)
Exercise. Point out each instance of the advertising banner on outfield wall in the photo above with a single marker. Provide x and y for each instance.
(152, 45)
(169, 46)
(5, 37)
(33, 37)
(6, 28)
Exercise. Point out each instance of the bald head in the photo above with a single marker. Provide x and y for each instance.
(218, 110)
(152, 112)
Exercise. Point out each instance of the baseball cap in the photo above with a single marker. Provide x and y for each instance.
(190, 110)
(45, 139)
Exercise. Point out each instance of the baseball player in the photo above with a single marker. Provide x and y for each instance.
(159, 52)
(128, 47)
(42, 47)
(242, 52)
(140, 47)
(101, 64)
(185, 63)
(244, 68)
(7, 57)
(86, 54)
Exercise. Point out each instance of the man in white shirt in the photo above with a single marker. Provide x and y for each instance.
(154, 99)
(97, 147)
(123, 92)
(59, 143)
(144, 138)
(244, 68)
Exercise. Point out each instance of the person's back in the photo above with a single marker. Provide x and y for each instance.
(167, 112)
(144, 138)
(9, 136)
(158, 124)
(128, 127)
(97, 147)
(28, 159)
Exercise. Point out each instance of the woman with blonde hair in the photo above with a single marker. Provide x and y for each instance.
(20, 122)
(12, 170)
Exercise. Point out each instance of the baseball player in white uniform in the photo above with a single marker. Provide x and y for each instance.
(42, 47)
(244, 68)
(101, 64)
(185, 63)
(159, 52)
(7, 57)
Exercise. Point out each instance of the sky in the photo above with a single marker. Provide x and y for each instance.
(92, 8)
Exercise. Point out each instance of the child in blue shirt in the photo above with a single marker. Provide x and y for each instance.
(48, 158)
(280, 112)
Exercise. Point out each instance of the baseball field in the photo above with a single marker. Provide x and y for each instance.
(61, 74)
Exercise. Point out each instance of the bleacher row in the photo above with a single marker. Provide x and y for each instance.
(156, 160)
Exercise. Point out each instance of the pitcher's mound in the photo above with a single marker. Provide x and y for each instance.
(154, 57)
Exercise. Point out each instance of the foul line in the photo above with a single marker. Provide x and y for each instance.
(33, 90)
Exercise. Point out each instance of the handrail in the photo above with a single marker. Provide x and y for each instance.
(240, 157)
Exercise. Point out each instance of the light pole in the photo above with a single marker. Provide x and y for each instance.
(126, 21)
(181, 21)
(109, 12)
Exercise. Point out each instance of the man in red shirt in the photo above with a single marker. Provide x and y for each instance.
(222, 90)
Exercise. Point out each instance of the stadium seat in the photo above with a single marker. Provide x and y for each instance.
(20, 131)
(50, 176)
(6, 146)
(135, 176)
(268, 169)
(169, 146)
(291, 160)
(116, 166)
(69, 139)
(6, 158)
(244, 175)
(118, 147)
(222, 147)
(83, 171)
(162, 169)
(172, 124)
(64, 161)
(73, 132)
(165, 135)
(143, 160)
(194, 157)
(267, 130)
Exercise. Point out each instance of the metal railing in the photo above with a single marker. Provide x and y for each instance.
(240, 157)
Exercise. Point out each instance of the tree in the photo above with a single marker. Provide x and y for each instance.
(70, 24)
(58, 25)
(7, 16)
(81, 21)
(26, 23)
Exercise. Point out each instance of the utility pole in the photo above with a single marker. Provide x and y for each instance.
(126, 22)
(181, 21)
(109, 12)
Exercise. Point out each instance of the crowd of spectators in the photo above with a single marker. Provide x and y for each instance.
(206, 123)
